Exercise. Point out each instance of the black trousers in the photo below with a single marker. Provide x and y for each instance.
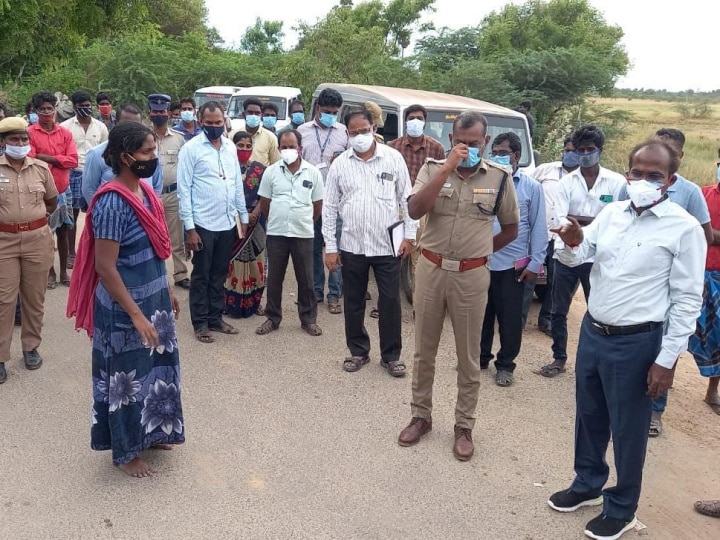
(210, 268)
(355, 274)
(505, 302)
(279, 251)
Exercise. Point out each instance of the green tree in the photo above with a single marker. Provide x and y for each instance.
(264, 37)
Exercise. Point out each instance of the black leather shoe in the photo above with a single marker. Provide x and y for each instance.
(33, 360)
(184, 283)
(3, 373)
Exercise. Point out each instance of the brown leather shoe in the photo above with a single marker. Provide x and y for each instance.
(463, 448)
(414, 431)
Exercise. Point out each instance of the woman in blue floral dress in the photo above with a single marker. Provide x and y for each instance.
(135, 362)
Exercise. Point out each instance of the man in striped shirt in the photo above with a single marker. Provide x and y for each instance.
(365, 188)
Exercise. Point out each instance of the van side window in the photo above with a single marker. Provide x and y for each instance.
(391, 128)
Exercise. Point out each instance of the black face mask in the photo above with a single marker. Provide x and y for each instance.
(144, 169)
(159, 121)
(214, 132)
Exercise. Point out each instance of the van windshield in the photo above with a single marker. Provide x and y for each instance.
(439, 125)
(203, 97)
(235, 108)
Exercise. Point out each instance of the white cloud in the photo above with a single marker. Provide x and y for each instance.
(670, 47)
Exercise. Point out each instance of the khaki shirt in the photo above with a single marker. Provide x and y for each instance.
(23, 194)
(168, 150)
(265, 147)
(460, 225)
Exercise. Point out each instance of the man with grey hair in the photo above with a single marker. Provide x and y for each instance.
(461, 196)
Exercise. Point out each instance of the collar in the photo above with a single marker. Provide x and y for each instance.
(379, 153)
(260, 129)
(482, 166)
(303, 166)
(37, 127)
(423, 141)
(28, 161)
(223, 140)
(663, 208)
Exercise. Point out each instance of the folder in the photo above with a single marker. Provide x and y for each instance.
(397, 236)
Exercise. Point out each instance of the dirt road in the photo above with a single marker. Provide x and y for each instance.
(281, 443)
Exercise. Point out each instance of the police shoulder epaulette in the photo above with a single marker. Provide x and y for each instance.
(437, 161)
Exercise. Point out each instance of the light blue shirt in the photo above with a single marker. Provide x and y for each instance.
(210, 185)
(532, 238)
(292, 196)
(97, 173)
(689, 195)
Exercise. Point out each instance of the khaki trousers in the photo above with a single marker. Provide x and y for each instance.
(172, 217)
(463, 295)
(25, 260)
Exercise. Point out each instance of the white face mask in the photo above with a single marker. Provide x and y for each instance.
(361, 143)
(415, 127)
(643, 193)
(289, 155)
(17, 152)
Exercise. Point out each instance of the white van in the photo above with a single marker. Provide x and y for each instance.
(442, 110)
(282, 96)
(221, 94)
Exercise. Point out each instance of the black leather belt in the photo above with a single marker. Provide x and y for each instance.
(170, 188)
(607, 330)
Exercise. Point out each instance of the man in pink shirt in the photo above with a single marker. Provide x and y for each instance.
(54, 145)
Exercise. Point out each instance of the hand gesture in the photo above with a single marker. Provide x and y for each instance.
(570, 233)
(457, 155)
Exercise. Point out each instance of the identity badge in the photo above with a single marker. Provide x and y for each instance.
(387, 176)
(606, 198)
(307, 184)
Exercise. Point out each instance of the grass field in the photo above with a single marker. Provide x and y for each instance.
(702, 134)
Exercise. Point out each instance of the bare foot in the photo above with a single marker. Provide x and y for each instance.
(162, 447)
(137, 468)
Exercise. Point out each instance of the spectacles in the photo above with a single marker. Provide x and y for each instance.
(360, 132)
(650, 177)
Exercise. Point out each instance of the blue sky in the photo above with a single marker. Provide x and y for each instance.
(673, 47)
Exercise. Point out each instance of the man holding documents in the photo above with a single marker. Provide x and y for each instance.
(461, 196)
(367, 188)
(514, 265)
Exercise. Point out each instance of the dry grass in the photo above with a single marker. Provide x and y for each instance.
(702, 134)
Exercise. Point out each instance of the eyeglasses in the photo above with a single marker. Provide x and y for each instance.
(360, 132)
(650, 177)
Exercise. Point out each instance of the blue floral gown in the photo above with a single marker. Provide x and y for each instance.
(136, 392)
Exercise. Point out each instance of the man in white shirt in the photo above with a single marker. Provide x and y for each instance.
(291, 195)
(87, 132)
(366, 187)
(549, 175)
(647, 286)
(581, 195)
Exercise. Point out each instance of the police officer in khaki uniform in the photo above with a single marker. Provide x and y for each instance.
(461, 197)
(27, 197)
(169, 143)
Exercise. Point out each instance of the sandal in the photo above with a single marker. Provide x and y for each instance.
(551, 370)
(656, 426)
(65, 282)
(70, 262)
(224, 328)
(713, 405)
(708, 508)
(266, 327)
(396, 368)
(51, 283)
(260, 310)
(503, 378)
(204, 336)
(334, 306)
(374, 313)
(312, 329)
(353, 363)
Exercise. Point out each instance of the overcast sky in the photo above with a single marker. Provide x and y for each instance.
(671, 47)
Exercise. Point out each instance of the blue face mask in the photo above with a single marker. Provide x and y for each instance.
(473, 158)
(32, 118)
(269, 121)
(252, 120)
(501, 160)
(570, 159)
(214, 132)
(328, 120)
(298, 118)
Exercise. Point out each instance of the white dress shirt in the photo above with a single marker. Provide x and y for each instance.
(96, 133)
(549, 175)
(648, 268)
(576, 199)
(368, 196)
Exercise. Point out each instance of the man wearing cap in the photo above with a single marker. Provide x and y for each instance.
(27, 196)
(169, 143)
(97, 172)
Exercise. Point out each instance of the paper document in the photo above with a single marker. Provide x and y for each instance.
(397, 236)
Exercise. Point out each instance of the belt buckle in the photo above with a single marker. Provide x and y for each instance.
(450, 265)
(605, 328)
(23, 227)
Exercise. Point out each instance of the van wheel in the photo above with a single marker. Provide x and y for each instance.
(407, 278)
